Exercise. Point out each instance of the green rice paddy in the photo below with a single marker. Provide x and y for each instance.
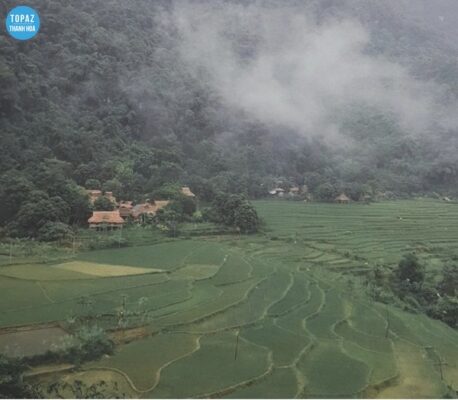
(275, 316)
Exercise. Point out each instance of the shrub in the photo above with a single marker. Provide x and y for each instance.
(11, 383)
(54, 231)
(92, 184)
(410, 270)
(197, 217)
(326, 192)
(446, 309)
(449, 283)
(107, 243)
(103, 204)
(235, 211)
(88, 343)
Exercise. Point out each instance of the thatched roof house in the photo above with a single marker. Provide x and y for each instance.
(109, 195)
(105, 219)
(93, 195)
(277, 192)
(125, 208)
(187, 192)
(148, 208)
(342, 199)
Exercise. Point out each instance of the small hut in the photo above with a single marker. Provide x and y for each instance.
(105, 220)
(125, 209)
(342, 199)
(150, 208)
(109, 196)
(187, 192)
(277, 192)
(93, 195)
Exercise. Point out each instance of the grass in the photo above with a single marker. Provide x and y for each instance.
(380, 231)
(227, 298)
(321, 324)
(259, 299)
(383, 366)
(281, 384)
(40, 272)
(294, 321)
(284, 345)
(213, 368)
(143, 360)
(368, 342)
(297, 294)
(30, 342)
(332, 373)
(195, 272)
(233, 268)
(104, 270)
(306, 325)
(165, 256)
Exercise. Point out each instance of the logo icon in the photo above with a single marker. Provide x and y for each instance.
(22, 23)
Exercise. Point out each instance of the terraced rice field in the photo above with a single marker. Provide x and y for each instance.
(255, 317)
(379, 232)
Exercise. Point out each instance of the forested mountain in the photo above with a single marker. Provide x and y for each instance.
(226, 96)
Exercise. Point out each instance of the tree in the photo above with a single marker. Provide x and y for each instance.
(93, 342)
(11, 380)
(32, 216)
(168, 218)
(354, 190)
(203, 189)
(246, 218)
(54, 231)
(184, 206)
(15, 188)
(113, 185)
(92, 184)
(326, 192)
(449, 283)
(78, 202)
(236, 211)
(410, 270)
(446, 309)
(167, 192)
(103, 203)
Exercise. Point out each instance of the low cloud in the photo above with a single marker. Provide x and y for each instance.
(280, 66)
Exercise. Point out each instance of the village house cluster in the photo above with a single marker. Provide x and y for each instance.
(125, 210)
(304, 192)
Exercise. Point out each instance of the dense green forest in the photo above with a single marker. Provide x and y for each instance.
(101, 98)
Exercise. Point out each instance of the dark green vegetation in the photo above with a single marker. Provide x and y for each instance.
(234, 211)
(328, 300)
(115, 107)
(284, 314)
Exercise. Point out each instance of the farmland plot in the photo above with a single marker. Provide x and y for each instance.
(255, 317)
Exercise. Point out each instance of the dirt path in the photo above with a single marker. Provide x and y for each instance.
(47, 369)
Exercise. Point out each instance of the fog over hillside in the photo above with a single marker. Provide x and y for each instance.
(230, 96)
(284, 67)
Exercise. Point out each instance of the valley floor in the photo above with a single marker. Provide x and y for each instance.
(279, 315)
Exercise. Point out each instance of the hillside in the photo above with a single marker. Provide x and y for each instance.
(135, 95)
